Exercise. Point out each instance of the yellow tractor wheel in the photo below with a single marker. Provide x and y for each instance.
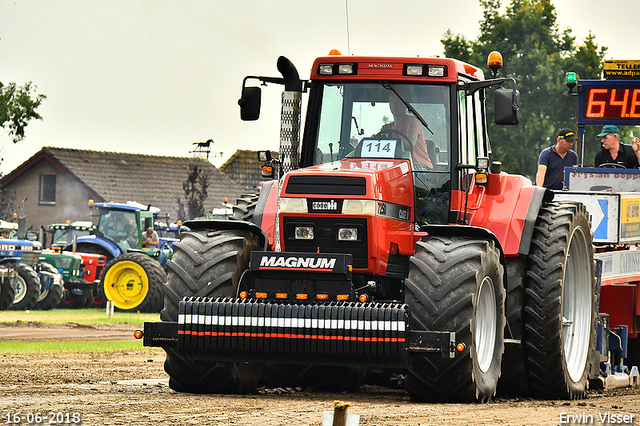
(133, 282)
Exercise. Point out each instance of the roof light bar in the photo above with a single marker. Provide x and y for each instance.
(436, 70)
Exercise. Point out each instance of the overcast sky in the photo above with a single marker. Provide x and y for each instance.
(155, 76)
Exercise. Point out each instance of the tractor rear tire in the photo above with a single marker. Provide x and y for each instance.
(456, 284)
(7, 293)
(55, 294)
(560, 302)
(27, 289)
(133, 282)
(203, 264)
(245, 207)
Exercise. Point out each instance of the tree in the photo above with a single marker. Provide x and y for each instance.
(537, 55)
(195, 192)
(18, 105)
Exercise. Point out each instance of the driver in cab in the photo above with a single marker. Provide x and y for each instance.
(411, 127)
(615, 152)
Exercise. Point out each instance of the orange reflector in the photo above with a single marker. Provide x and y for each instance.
(302, 296)
(322, 296)
(261, 295)
(393, 248)
(481, 178)
(281, 295)
(342, 297)
(460, 347)
(138, 334)
(244, 295)
(363, 298)
(350, 268)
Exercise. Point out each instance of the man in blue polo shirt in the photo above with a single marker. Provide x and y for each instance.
(554, 159)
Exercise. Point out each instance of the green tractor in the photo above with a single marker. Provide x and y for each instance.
(133, 276)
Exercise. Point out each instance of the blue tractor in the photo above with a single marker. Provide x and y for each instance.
(21, 256)
(133, 275)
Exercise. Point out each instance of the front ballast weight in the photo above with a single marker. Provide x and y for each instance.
(337, 333)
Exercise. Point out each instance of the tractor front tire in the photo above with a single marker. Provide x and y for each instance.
(560, 302)
(133, 282)
(7, 292)
(27, 288)
(203, 265)
(55, 294)
(456, 284)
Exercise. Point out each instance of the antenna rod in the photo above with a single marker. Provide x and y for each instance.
(346, 5)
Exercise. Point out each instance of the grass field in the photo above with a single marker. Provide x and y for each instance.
(17, 347)
(78, 316)
(75, 316)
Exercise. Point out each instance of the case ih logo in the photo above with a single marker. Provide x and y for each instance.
(324, 205)
(298, 262)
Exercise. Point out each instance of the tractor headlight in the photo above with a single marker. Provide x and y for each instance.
(293, 205)
(347, 234)
(303, 233)
(350, 206)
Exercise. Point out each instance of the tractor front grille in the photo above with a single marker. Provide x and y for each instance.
(326, 185)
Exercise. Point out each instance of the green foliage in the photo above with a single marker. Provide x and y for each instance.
(537, 55)
(18, 106)
(195, 192)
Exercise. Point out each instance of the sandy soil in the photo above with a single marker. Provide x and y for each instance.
(130, 388)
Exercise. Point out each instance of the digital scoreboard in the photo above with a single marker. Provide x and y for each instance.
(612, 102)
(615, 100)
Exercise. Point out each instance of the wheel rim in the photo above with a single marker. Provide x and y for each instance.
(486, 324)
(21, 290)
(576, 305)
(126, 284)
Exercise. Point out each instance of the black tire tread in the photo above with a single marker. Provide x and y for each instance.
(32, 282)
(191, 272)
(440, 291)
(543, 301)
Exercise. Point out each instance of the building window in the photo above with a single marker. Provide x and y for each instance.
(47, 189)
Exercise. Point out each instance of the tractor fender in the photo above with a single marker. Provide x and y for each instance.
(229, 224)
(509, 211)
(540, 195)
(108, 245)
(469, 232)
(261, 204)
(9, 260)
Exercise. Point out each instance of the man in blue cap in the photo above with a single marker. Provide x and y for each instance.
(553, 160)
(615, 152)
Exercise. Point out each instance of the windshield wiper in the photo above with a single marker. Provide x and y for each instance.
(387, 86)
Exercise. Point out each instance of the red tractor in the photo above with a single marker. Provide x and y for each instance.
(388, 241)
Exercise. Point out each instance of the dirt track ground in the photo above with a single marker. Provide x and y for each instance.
(130, 388)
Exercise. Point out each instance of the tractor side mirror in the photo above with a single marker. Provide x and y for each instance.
(250, 103)
(507, 107)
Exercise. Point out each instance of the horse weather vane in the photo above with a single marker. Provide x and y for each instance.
(203, 148)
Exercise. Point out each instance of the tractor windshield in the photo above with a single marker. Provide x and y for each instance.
(377, 120)
(355, 116)
(120, 227)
